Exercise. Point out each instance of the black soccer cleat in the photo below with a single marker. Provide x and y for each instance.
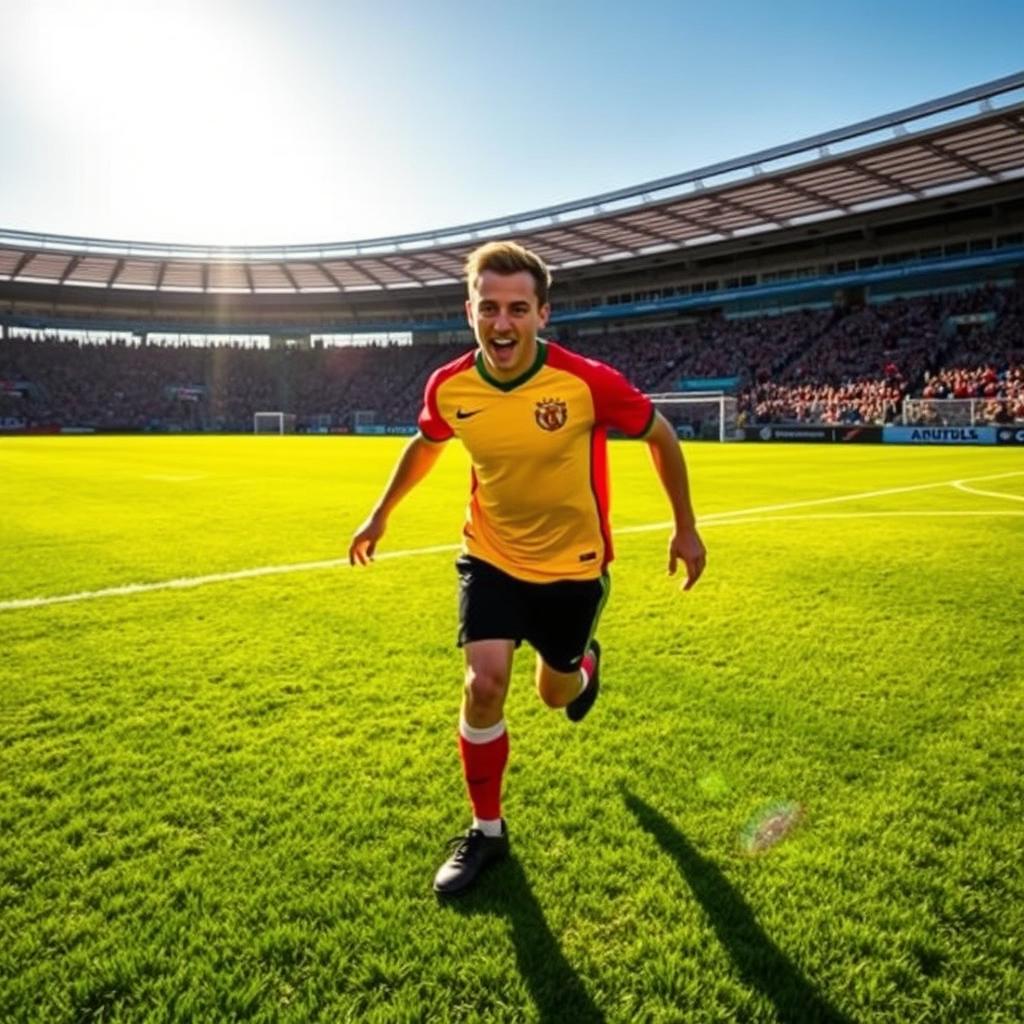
(577, 709)
(471, 853)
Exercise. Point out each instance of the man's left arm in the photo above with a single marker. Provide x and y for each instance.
(685, 543)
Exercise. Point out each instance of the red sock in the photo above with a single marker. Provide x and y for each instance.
(483, 765)
(588, 663)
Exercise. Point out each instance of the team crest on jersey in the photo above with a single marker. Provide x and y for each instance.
(550, 413)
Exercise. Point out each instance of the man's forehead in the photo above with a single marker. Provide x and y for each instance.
(518, 286)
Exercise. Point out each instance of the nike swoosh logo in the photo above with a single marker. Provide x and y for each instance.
(460, 415)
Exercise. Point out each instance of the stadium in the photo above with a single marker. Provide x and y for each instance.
(219, 781)
(822, 281)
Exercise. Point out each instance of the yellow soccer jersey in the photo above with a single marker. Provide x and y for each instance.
(539, 500)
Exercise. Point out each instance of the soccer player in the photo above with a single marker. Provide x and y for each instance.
(536, 542)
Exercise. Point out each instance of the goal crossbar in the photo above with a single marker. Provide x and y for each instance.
(273, 423)
(723, 408)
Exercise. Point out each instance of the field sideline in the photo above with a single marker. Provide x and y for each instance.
(227, 760)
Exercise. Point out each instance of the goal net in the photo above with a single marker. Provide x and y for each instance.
(273, 423)
(709, 415)
(945, 412)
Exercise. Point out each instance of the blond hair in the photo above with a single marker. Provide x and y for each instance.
(509, 258)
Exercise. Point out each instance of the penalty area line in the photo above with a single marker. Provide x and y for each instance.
(747, 515)
(862, 496)
(744, 514)
(910, 514)
(961, 485)
(747, 520)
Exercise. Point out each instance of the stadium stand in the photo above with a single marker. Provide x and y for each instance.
(835, 365)
(866, 363)
(826, 280)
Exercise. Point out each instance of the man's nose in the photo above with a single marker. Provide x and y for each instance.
(502, 321)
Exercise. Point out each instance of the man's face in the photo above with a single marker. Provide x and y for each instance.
(505, 316)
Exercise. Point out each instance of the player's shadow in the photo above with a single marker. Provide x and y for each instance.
(554, 986)
(761, 963)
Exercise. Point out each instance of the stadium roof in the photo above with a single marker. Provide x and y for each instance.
(958, 142)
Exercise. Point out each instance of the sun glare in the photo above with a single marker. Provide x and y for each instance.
(200, 126)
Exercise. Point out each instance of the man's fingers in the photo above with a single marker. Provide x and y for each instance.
(672, 561)
(357, 553)
(364, 543)
(694, 568)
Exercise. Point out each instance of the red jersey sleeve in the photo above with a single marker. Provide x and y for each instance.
(617, 403)
(433, 426)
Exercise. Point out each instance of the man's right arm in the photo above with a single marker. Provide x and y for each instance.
(416, 460)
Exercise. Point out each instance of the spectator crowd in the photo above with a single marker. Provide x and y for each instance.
(834, 365)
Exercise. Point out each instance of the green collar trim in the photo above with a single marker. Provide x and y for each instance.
(509, 385)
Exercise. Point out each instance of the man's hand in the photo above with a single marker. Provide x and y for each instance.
(413, 465)
(687, 545)
(684, 544)
(364, 540)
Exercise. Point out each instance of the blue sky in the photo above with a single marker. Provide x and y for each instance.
(250, 121)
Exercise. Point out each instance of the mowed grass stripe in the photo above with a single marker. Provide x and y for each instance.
(80, 514)
(228, 805)
(713, 519)
(737, 519)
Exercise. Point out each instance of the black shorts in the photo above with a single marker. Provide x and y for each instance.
(557, 619)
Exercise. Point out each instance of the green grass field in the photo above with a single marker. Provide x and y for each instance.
(227, 801)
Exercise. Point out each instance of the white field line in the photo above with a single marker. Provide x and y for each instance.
(912, 514)
(743, 520)
(714, 518)
(748, 515)
(961, 486)
(859, 497)
(188, 582)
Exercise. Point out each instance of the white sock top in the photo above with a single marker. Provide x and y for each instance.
(485, 735)
(489, 826)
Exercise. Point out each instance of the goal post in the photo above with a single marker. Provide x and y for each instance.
(945, 412)
(273, 423)
(711, 415)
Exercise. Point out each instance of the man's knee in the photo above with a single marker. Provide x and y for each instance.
(486, 685)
